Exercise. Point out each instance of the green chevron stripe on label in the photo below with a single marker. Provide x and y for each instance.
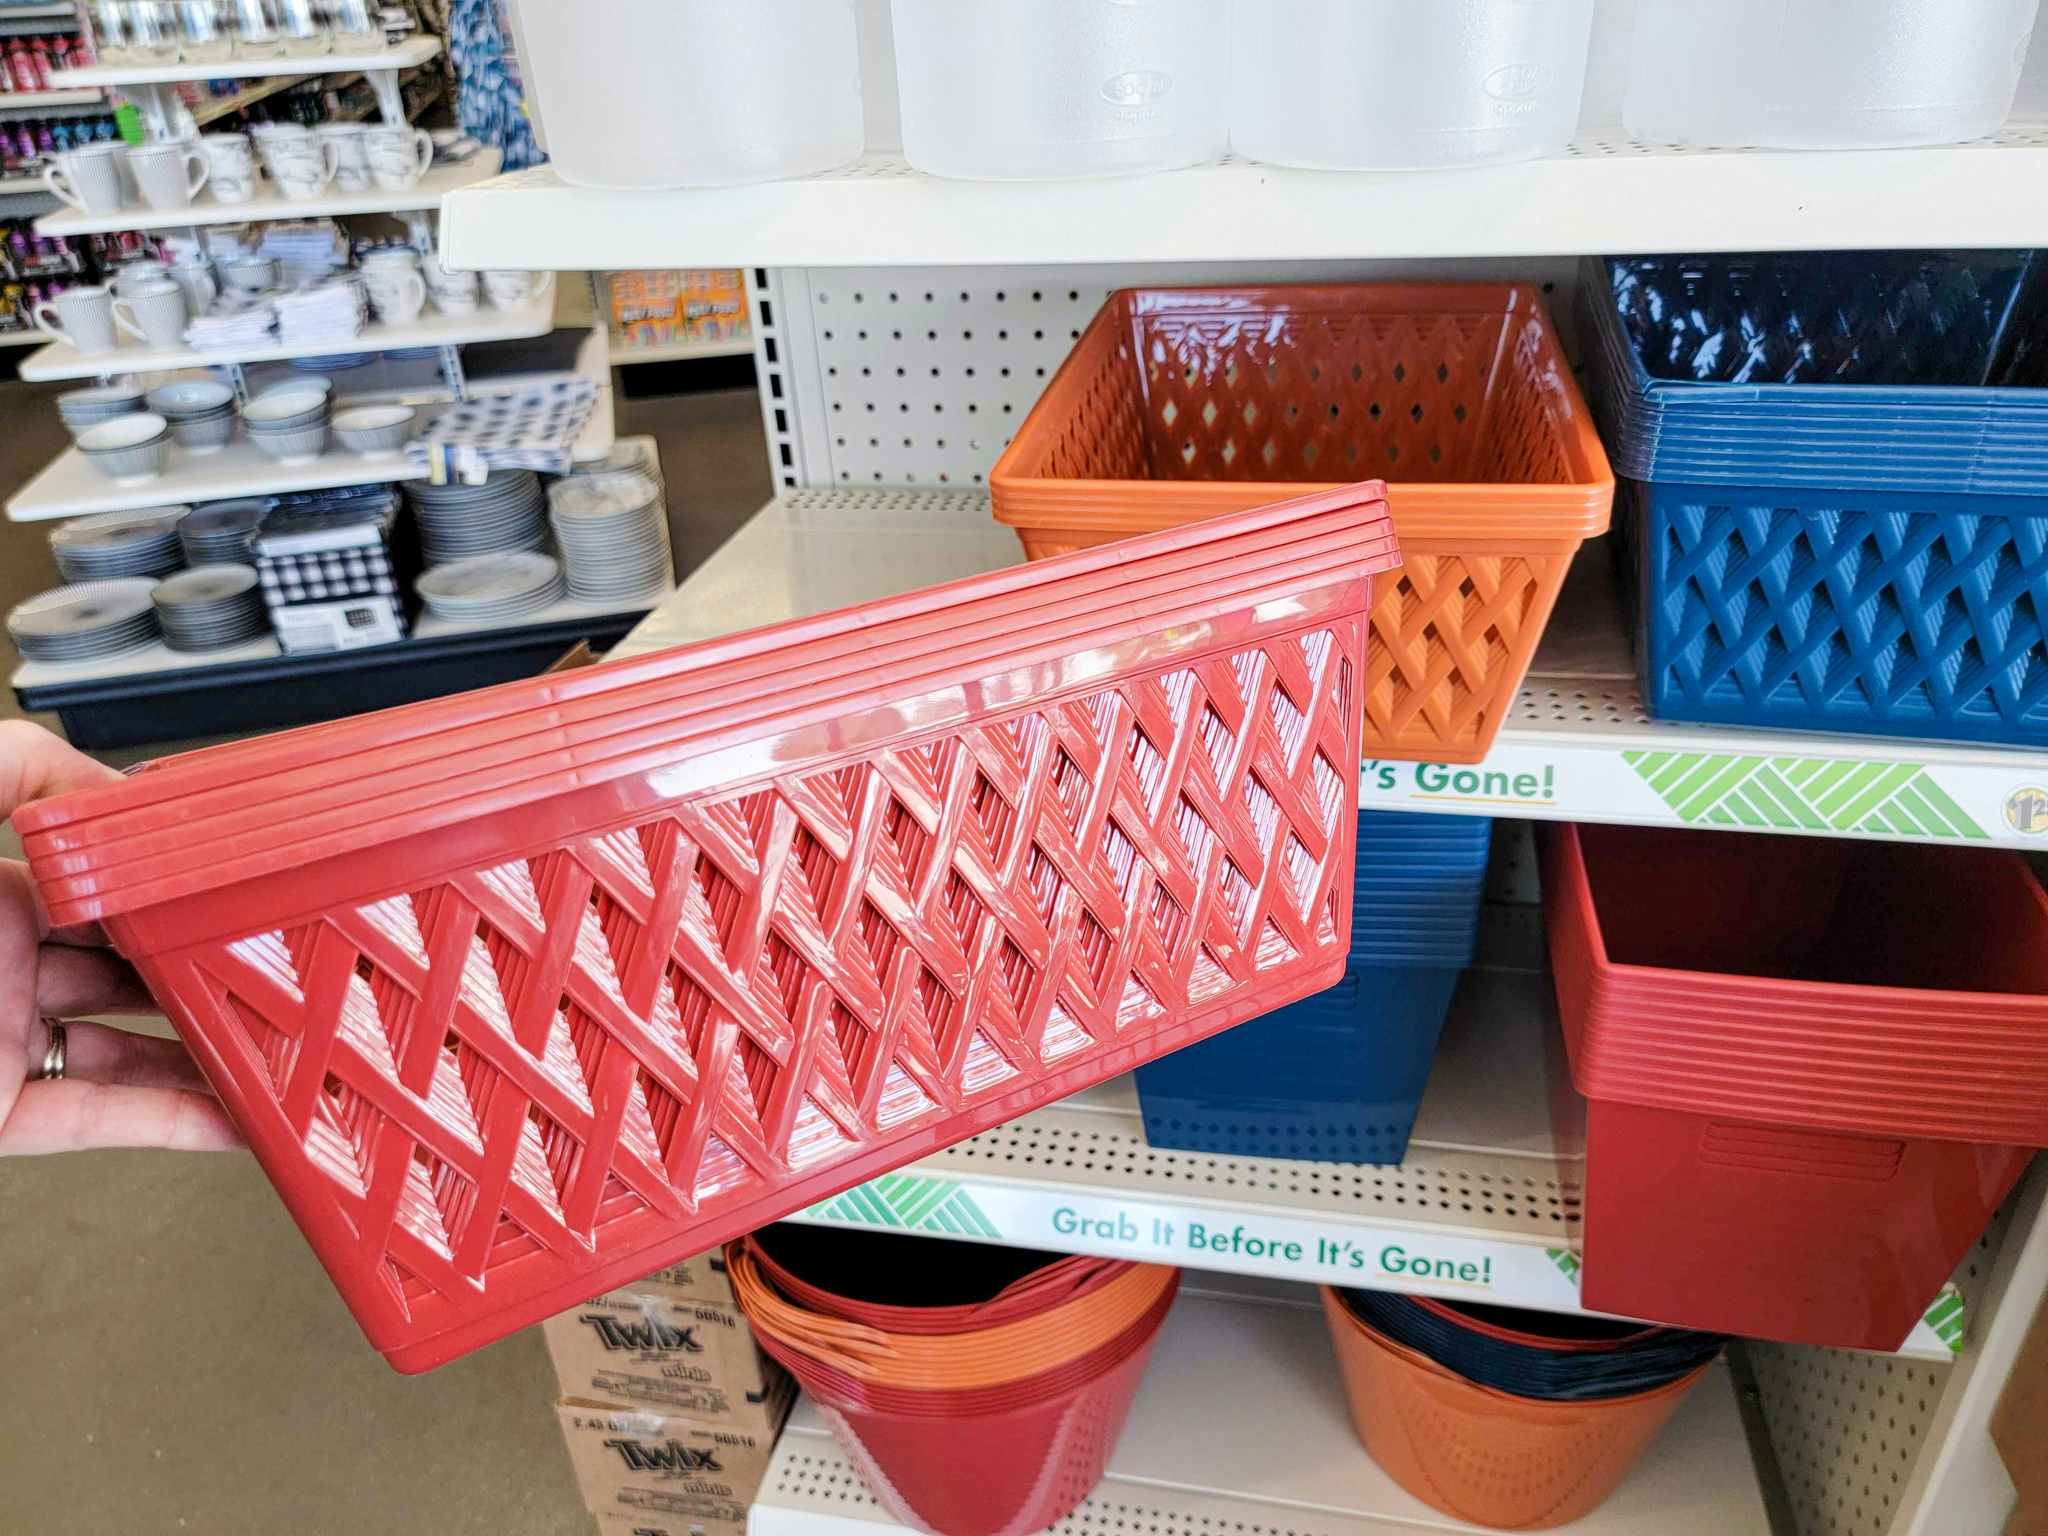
(909, 1203)
(1811, 794)
(1945, 1317)
(1566, 1261)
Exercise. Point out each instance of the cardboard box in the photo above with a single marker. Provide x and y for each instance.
(647, 1471)
(650, 1348)
(700, 1279)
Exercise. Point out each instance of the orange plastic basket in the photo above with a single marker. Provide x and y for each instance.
(1514, 1463)
(1180, 404)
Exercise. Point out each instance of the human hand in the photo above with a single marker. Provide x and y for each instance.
(119, 1089)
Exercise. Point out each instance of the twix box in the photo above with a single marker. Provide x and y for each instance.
(645, 1471)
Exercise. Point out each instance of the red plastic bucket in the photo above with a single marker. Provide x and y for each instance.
(1019, 1282)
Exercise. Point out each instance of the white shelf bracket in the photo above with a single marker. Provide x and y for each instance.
(390, 100)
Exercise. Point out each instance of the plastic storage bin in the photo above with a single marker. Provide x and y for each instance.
(1811, 1082)
(1453, 82)
(1030, 89)
(1179, 404)
(477, 977)
(1825, 74)
(1855, 557)
(639, 94)
(1010, 1447)
(1339, 1076)
(1490, 1457)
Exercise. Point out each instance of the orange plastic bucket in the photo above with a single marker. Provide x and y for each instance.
(1181, 404)
(1514, 1463)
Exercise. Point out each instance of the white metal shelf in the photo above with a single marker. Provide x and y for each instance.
(682, 351)
(414, 50)
(61, 360)
(36, 101)
(435, 185)
(1240, 1425)
(20, 338)
(70, 486)
(1602, 195)
(1578, 747)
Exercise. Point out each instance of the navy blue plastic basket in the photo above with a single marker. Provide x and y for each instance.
(1553, 1358)
(1881, 371)
(1338, 1077)
(1855, 558)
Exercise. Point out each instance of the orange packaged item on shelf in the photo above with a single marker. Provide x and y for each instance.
(1181, 404)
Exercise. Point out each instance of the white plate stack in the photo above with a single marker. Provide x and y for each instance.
(85, 622)
(114, 545)
(492, 589)
(218, 532)
(612, 530)
(504, 514)
(211, 609)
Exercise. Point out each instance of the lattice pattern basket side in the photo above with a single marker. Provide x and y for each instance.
(566, 1064)
(1895, 614)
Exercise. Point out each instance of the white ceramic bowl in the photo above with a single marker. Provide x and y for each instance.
(371, 430)
(130, 449)
(302, 446)
(190, 397)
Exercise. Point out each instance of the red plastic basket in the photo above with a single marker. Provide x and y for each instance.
(522, 994)
(1810, 1083)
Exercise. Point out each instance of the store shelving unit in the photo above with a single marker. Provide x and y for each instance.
(61, 360)
(406, 55)
(40, 101)
(1240, 1425)
(682, 351)
(1603, 195)
(432, 188)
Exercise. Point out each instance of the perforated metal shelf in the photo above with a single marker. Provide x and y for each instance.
(1240, 1429)
(1601, 195)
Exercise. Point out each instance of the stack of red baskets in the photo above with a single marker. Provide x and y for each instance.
(1812, 1080)
(979, 1390)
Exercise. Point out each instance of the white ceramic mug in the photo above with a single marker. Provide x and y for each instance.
(453, 293)
(154, 311)
(397, 293)
(168, 175)
(510, 289)
(231, 166)
(196, 281)
(249, 274)
(351, 155)
(83, 316)
(302, 169)
(89, 177)
(130, 274)
(399, 157)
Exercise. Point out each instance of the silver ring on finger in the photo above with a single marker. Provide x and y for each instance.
(52, 1068)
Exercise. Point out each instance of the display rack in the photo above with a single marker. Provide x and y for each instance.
(39, 101)
(61, 360)
(1602, 195)
(266, 206)
(1240, 1425)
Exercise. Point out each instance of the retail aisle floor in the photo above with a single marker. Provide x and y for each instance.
(171, 1357)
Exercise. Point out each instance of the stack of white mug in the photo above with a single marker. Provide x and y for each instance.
(301, 163)
(150, 300)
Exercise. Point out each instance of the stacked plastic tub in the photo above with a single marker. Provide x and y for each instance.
(1180, 404)
(1835, 470)
(1811, 1080)
(473, 976)
(1339, 1076)
(1510, 1419)
(979, 1390)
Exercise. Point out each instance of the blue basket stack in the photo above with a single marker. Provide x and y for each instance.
(1835, 486)
(1338, 1077)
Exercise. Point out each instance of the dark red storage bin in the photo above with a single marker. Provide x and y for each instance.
(1814, 1070)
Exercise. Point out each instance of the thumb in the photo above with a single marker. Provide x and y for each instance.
(34, 765)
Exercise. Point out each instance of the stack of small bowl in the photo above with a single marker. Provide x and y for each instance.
(375, 431)
(201, 413)
(128, 449)
(1446, 1395)
(290, 423)
(980, 1389)
(210, 609)
(82, 409)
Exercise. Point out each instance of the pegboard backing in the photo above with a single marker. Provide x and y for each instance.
(920, 376)
(1850, 1430)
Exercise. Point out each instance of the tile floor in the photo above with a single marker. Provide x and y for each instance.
(172, 1359)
